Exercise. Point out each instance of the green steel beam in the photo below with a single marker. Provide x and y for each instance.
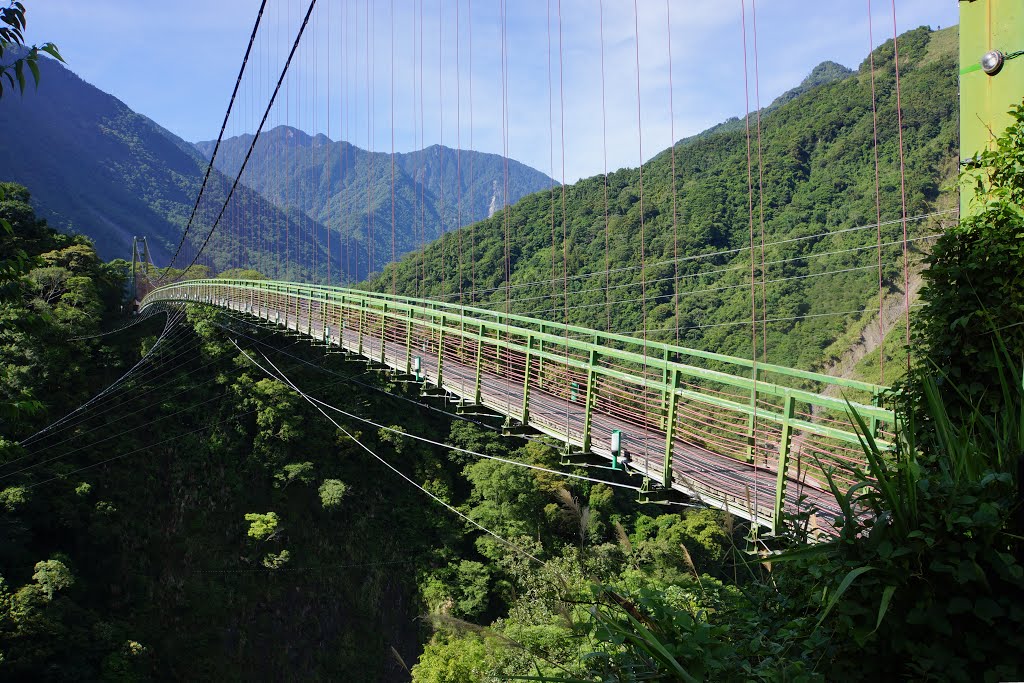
(764, 387)
(987, 25)
(405, 312)
(589, 405)
(785, 441)
(670, 428)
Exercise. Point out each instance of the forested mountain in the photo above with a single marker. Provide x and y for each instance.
(819, 214)
(349, 189)
(98, 168)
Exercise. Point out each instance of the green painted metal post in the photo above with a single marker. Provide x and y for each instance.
(751, 426)
(662, 417)
(589, 402)
(540, 361)
(362, 325)
(987, 25)
(408, 345)
(785, 441)
(873, 422)
(525, 418)
(479, 361)
(670, 427)
(383, 332)
(440, 350)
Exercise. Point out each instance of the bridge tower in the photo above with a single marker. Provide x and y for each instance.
(991, 74)
(141, 260)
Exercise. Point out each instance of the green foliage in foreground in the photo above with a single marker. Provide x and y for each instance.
(975, 280)
(926, 577)
(12, 39)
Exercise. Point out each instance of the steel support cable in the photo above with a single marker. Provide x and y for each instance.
(458, 164)
(565, 235)
(726, 252)
(107, 399)
(903, 175)
(107, 438)
(255, 137)
(551, 161)
(700, 291)
(132, 322)
(750, 206)
(162, 399)
(394, 271)
(448, 446)
(772, 320)
(604, 177)
(760, 181)
(440, 138)
(220, 136)
(590, 290)
(169, 325)
(142, 375)
(352, 380)
(120, 456)
(285, 380)
(878, 194)
(672, 147)
(643, 240)
(472, 226)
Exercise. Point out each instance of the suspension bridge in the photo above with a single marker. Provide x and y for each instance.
(739, 434)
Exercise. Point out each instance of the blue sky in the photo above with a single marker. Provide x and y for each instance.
(176, 62)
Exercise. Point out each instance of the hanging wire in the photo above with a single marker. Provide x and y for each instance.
(248, 154)
(220, 136)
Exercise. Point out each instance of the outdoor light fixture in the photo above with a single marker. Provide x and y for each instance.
(992, 61)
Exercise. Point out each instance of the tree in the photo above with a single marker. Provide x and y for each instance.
(12, 39)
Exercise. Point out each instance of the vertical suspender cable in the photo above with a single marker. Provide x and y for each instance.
(760, 187)
(672, 148)
(903, 175)
(750, 211)
(551, 159)
(394, 270)
(472, 227)
(878, 198)
(370, 252)
(604, 152)
(458, 143)
(440, 140)
(259, 130)
(216, 146)
(643, 239)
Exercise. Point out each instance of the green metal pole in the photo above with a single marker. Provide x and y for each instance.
(479, 360)
(751, 426)
(440, 350)
(526, 380)
(589, 402)
(670, 428)
(408, 345)
(383, 333)
(985, 98)
(784, 448)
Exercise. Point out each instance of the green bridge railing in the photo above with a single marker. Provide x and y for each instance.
(752, 438)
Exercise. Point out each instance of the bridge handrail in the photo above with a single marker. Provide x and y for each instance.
(343, 296)
(663, 347)
(875, 389)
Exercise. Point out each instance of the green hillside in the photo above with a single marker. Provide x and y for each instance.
(819, 215)
(97, 168)
(349, 189)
